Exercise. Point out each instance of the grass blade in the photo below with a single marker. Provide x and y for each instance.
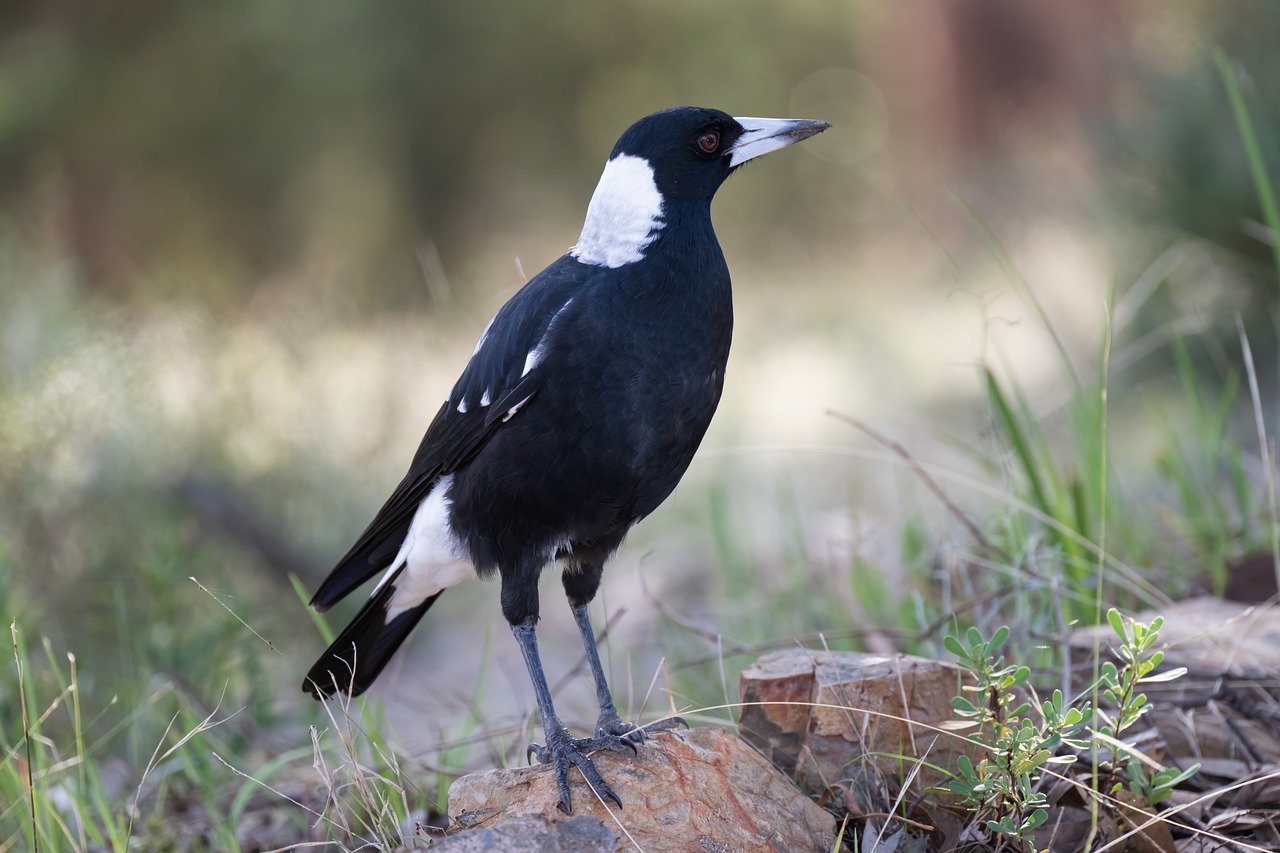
(1257, 163)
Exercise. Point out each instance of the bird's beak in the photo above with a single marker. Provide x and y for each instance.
(762, 135)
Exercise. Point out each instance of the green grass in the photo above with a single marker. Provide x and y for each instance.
(1253, 151)
(70, 781)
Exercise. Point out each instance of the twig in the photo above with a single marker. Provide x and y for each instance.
(688, 624)
(239, 619)
(929, 482)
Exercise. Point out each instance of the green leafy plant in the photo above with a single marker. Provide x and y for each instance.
(1126, 704)
(1021, 736)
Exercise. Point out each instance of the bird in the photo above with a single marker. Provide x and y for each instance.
(576, 415)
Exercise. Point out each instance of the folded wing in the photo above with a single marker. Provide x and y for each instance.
(501, 378)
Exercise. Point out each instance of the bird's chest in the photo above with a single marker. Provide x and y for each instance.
(652, 396)
(623, 407)
(666, 365)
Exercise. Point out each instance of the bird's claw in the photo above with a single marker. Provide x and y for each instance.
(613, 743)
(561, 751)
(611, 725)
(612, 733)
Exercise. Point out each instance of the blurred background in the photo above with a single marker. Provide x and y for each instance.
(246, 247)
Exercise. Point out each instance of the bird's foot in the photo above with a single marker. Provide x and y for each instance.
(562, 751)
(611, 726)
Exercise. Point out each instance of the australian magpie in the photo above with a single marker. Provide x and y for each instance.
(579, 411)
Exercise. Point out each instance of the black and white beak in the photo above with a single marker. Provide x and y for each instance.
(762, 135)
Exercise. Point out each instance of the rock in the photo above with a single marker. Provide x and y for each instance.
(846, 707)
(1223, 712)
(1214, 731)
(1210, 637)
(533, 834)
(699, 790)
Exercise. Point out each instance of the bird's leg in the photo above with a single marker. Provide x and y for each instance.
(610, 727)
(561, 750)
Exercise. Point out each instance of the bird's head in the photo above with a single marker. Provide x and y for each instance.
(691, 150)
(682, 154)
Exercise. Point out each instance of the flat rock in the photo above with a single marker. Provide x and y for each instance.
(1224, 712)
(815, 713)
(1208, 636)
(698, 790)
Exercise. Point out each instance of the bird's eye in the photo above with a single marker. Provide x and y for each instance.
(709, 141)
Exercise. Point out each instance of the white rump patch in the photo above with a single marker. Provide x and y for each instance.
(432, 556)
(624, 216)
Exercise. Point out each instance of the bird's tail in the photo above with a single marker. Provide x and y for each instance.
(360, 652)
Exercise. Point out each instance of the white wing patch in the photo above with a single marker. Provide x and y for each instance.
(511, 412)
(535, 356)
(531, 360)
(624, 216)
(432, 556)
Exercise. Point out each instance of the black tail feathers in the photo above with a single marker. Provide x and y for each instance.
(362, 650)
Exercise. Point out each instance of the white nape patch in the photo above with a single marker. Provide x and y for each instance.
(432, 556)
(535, 356)
(462, 406)
(484, 398)
(624, 216)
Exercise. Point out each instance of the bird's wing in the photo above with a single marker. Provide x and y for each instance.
(501, 377)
